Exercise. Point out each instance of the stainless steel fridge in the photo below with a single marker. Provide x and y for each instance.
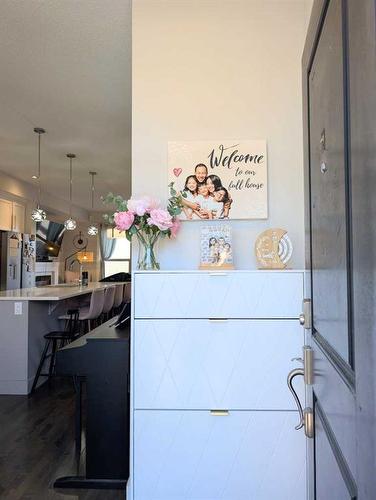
(10, 260)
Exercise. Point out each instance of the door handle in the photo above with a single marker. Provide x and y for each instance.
(290, 377)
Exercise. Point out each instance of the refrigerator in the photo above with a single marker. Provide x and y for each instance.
(28, 260)
(10, 260)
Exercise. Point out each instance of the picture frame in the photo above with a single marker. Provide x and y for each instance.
(216, 250)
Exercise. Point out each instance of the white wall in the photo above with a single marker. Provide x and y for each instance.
(220, 69)
(68, 248)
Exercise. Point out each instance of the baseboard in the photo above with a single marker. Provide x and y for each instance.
(14, 387)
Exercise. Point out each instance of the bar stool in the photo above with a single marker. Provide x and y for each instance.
(118, 299)
(65, 336)
(127, 292)
(90, 313)
(109, 296)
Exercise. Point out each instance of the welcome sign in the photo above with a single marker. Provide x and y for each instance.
(220, 179)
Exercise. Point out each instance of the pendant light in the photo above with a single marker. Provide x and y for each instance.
(92, 230)
(38, 214)
(70, 224)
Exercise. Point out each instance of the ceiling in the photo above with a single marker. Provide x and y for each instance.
(66, 67)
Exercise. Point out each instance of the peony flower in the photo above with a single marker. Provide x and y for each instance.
(175, 227)
(142, 205)
(123, 220)
(160, 218)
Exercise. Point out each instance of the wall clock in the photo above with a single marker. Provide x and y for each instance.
(79, 241)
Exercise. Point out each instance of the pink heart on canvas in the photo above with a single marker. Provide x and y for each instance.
(177, 171)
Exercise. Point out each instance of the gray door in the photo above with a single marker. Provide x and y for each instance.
(340, 172)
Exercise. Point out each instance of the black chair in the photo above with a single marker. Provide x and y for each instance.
(57, 339)
(125, 277)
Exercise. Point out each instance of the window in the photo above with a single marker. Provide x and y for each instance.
(119, 262)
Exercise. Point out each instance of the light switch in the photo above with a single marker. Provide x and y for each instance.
(18, 308)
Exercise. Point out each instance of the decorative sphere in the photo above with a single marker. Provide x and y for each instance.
(92, 230)
(38, 214)
(70, 224)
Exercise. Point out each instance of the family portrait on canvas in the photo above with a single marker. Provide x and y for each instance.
(220, 180)
(204, 196)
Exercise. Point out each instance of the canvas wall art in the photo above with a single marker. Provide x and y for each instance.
(220, 179)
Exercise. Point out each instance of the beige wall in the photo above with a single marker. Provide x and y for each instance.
(68, 248)
(24, 192)
(220, 69)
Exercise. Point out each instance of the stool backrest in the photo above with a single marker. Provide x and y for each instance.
(118, 295)
(96, 303)
(73, 324)
(127, 292)
(109, 295)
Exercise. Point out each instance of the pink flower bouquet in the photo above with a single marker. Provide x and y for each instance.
(147, 220)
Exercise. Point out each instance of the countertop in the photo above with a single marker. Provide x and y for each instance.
(53, 292)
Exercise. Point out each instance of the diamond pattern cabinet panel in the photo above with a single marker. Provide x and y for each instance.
(203, 364)
(193, 455)
(259, 294)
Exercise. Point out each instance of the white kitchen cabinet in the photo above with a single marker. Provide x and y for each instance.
(211, 415)
(18, 217)
(6, 212)
(12, 216)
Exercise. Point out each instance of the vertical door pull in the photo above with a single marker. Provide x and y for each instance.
(290, 377)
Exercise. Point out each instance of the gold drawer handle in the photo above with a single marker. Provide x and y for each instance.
(219, 413)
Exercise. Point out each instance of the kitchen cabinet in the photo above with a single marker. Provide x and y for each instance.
(18, 218)
(12, 216)
(6, 211)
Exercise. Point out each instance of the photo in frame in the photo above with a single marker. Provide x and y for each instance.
(216, 250)
(220, 179)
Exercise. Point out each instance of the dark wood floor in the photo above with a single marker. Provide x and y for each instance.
(37, 446)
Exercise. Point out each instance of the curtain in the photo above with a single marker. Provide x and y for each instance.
(106, 246)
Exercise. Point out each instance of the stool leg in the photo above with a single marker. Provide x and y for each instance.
(41, 362)
(52, 361)
(78, 413)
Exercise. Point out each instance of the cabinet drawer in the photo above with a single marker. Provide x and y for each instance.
(260, 294)
(203, 364)
(198, 456)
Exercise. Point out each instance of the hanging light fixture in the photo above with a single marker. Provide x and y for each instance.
(38, 214)
(92, 230)
(70, 224)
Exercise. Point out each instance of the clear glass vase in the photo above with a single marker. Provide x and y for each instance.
(147, 260)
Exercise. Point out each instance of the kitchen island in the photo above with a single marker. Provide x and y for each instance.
(26, 315)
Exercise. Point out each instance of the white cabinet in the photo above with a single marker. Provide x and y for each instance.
(12, 216)
(5, 215)
(195, 455)
(18, 218)
(256, 294)
(212, 418)
(204, 364)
